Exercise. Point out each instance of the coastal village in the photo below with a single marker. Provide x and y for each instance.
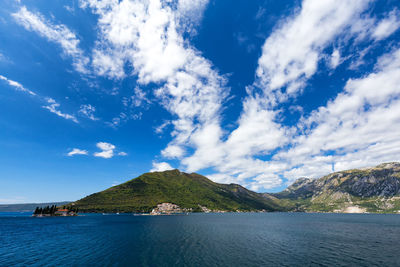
(170, 209)
(166, 209)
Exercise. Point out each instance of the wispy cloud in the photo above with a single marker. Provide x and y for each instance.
(88, 111)
(160, 129)
(57, 33)
(16, 85)
(53, 107)
(291, 53)
(387, 26)
(77, 151)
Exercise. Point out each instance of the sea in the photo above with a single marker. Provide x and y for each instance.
(219, 239)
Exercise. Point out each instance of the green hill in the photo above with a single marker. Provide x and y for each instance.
(188, 191)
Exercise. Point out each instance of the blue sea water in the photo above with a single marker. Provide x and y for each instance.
(233, 239)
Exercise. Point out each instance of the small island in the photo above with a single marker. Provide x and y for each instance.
(51, 211)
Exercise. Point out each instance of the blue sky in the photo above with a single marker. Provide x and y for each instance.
(94, 93)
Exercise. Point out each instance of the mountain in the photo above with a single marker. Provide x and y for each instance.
(28, 207)
(374, 189)
(189, 191)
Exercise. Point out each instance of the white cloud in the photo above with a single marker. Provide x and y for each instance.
(107, 150)
(5, 60)
(138, 99)
(290, 57)
(122, 153)
(160, 129)
(53, 106)
(387, 26)
(173, 151)
(16, 85)
(360, 126)
(88, 112)
(77, 151)
(335, 59)
(148, 35)
(291, 53)
(57, 33)
(160, 167)
(114, 183)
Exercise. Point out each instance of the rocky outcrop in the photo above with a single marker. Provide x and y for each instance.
(368, 189)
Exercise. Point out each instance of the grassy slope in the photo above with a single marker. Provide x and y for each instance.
(186, 190)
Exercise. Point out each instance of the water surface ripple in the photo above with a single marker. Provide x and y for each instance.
(234, 239)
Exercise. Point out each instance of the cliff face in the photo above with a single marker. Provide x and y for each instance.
(374, 189)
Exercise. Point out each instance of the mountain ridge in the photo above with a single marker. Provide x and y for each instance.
(372, 189)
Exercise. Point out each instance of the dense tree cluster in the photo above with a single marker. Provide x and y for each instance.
(51, 210)
(45, 210)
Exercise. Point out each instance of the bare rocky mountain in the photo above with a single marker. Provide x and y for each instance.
(375, 189)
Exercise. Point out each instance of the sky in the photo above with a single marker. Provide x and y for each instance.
(96, 92)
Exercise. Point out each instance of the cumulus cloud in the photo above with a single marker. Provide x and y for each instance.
(160, 166)
(53, 107)
(77, 151)
(57, 33)
(107, 150)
